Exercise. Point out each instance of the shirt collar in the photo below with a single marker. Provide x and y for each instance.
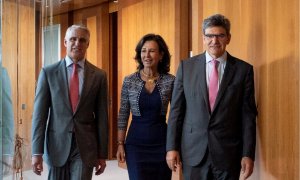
(69, 62)
(221, 59)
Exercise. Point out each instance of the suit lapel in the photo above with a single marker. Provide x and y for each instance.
(88, 82)
(227, 76)
(62, 77)
(202, 79)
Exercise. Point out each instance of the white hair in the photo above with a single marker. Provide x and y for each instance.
(78, 26)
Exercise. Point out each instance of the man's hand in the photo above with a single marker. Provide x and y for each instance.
(173, 160)
(37, 164)
(100, 166)
(247, 168)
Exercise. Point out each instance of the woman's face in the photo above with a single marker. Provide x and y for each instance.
(150, 54)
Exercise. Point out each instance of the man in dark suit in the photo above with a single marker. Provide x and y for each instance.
(212, 121)
(75, 133)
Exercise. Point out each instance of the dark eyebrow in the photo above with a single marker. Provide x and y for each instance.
(222, 35)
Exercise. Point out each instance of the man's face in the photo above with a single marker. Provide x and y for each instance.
(76, 42)
(215, 40)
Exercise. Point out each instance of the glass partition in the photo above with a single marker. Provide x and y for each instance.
(31, 36)
(20, 60)
(1, 129)
(51, 44)
(6, 113)
(28, 41)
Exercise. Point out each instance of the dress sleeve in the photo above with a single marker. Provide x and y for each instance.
(124, 111)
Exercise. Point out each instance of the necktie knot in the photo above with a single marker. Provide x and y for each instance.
(75, 66)
(215, 63)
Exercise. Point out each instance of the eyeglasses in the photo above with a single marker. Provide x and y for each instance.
(218, 36)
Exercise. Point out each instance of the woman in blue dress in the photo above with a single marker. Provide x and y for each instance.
(146, 94)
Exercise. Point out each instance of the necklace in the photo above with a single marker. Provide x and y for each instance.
(150, 78)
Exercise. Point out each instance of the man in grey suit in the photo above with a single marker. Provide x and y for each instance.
(72, 136)
(213, 135)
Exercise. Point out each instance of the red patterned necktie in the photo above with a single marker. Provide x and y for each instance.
(213, 83)
(74, 87)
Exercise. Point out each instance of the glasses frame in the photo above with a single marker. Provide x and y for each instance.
(217, 36)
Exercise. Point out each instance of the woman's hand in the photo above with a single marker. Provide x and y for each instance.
(173, 160)
(121, 153)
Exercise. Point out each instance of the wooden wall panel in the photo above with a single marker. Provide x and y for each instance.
(280, 127)
(9, 46)
(181, 40)
(196, 7)
(91, 52)
(167, 18)
(266, 34)
(26, 74)
(96, 18)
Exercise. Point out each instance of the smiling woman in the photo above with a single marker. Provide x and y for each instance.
(146, 94)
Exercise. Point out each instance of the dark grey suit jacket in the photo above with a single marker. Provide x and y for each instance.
(229, 131)
(53, 120)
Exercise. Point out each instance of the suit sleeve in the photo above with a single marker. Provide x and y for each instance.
(249, 113)
(177, 112)
(41, 107)
(102, 118)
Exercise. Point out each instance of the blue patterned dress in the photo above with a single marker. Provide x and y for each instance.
(146, 140)
(145, 145)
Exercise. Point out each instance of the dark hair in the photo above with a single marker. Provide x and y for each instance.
(164, 64)
(216, 20)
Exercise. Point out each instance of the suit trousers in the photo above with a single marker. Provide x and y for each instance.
(74, 169)
(207, 171)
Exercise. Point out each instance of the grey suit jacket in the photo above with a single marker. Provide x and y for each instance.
(53, 120)
(229, 131)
